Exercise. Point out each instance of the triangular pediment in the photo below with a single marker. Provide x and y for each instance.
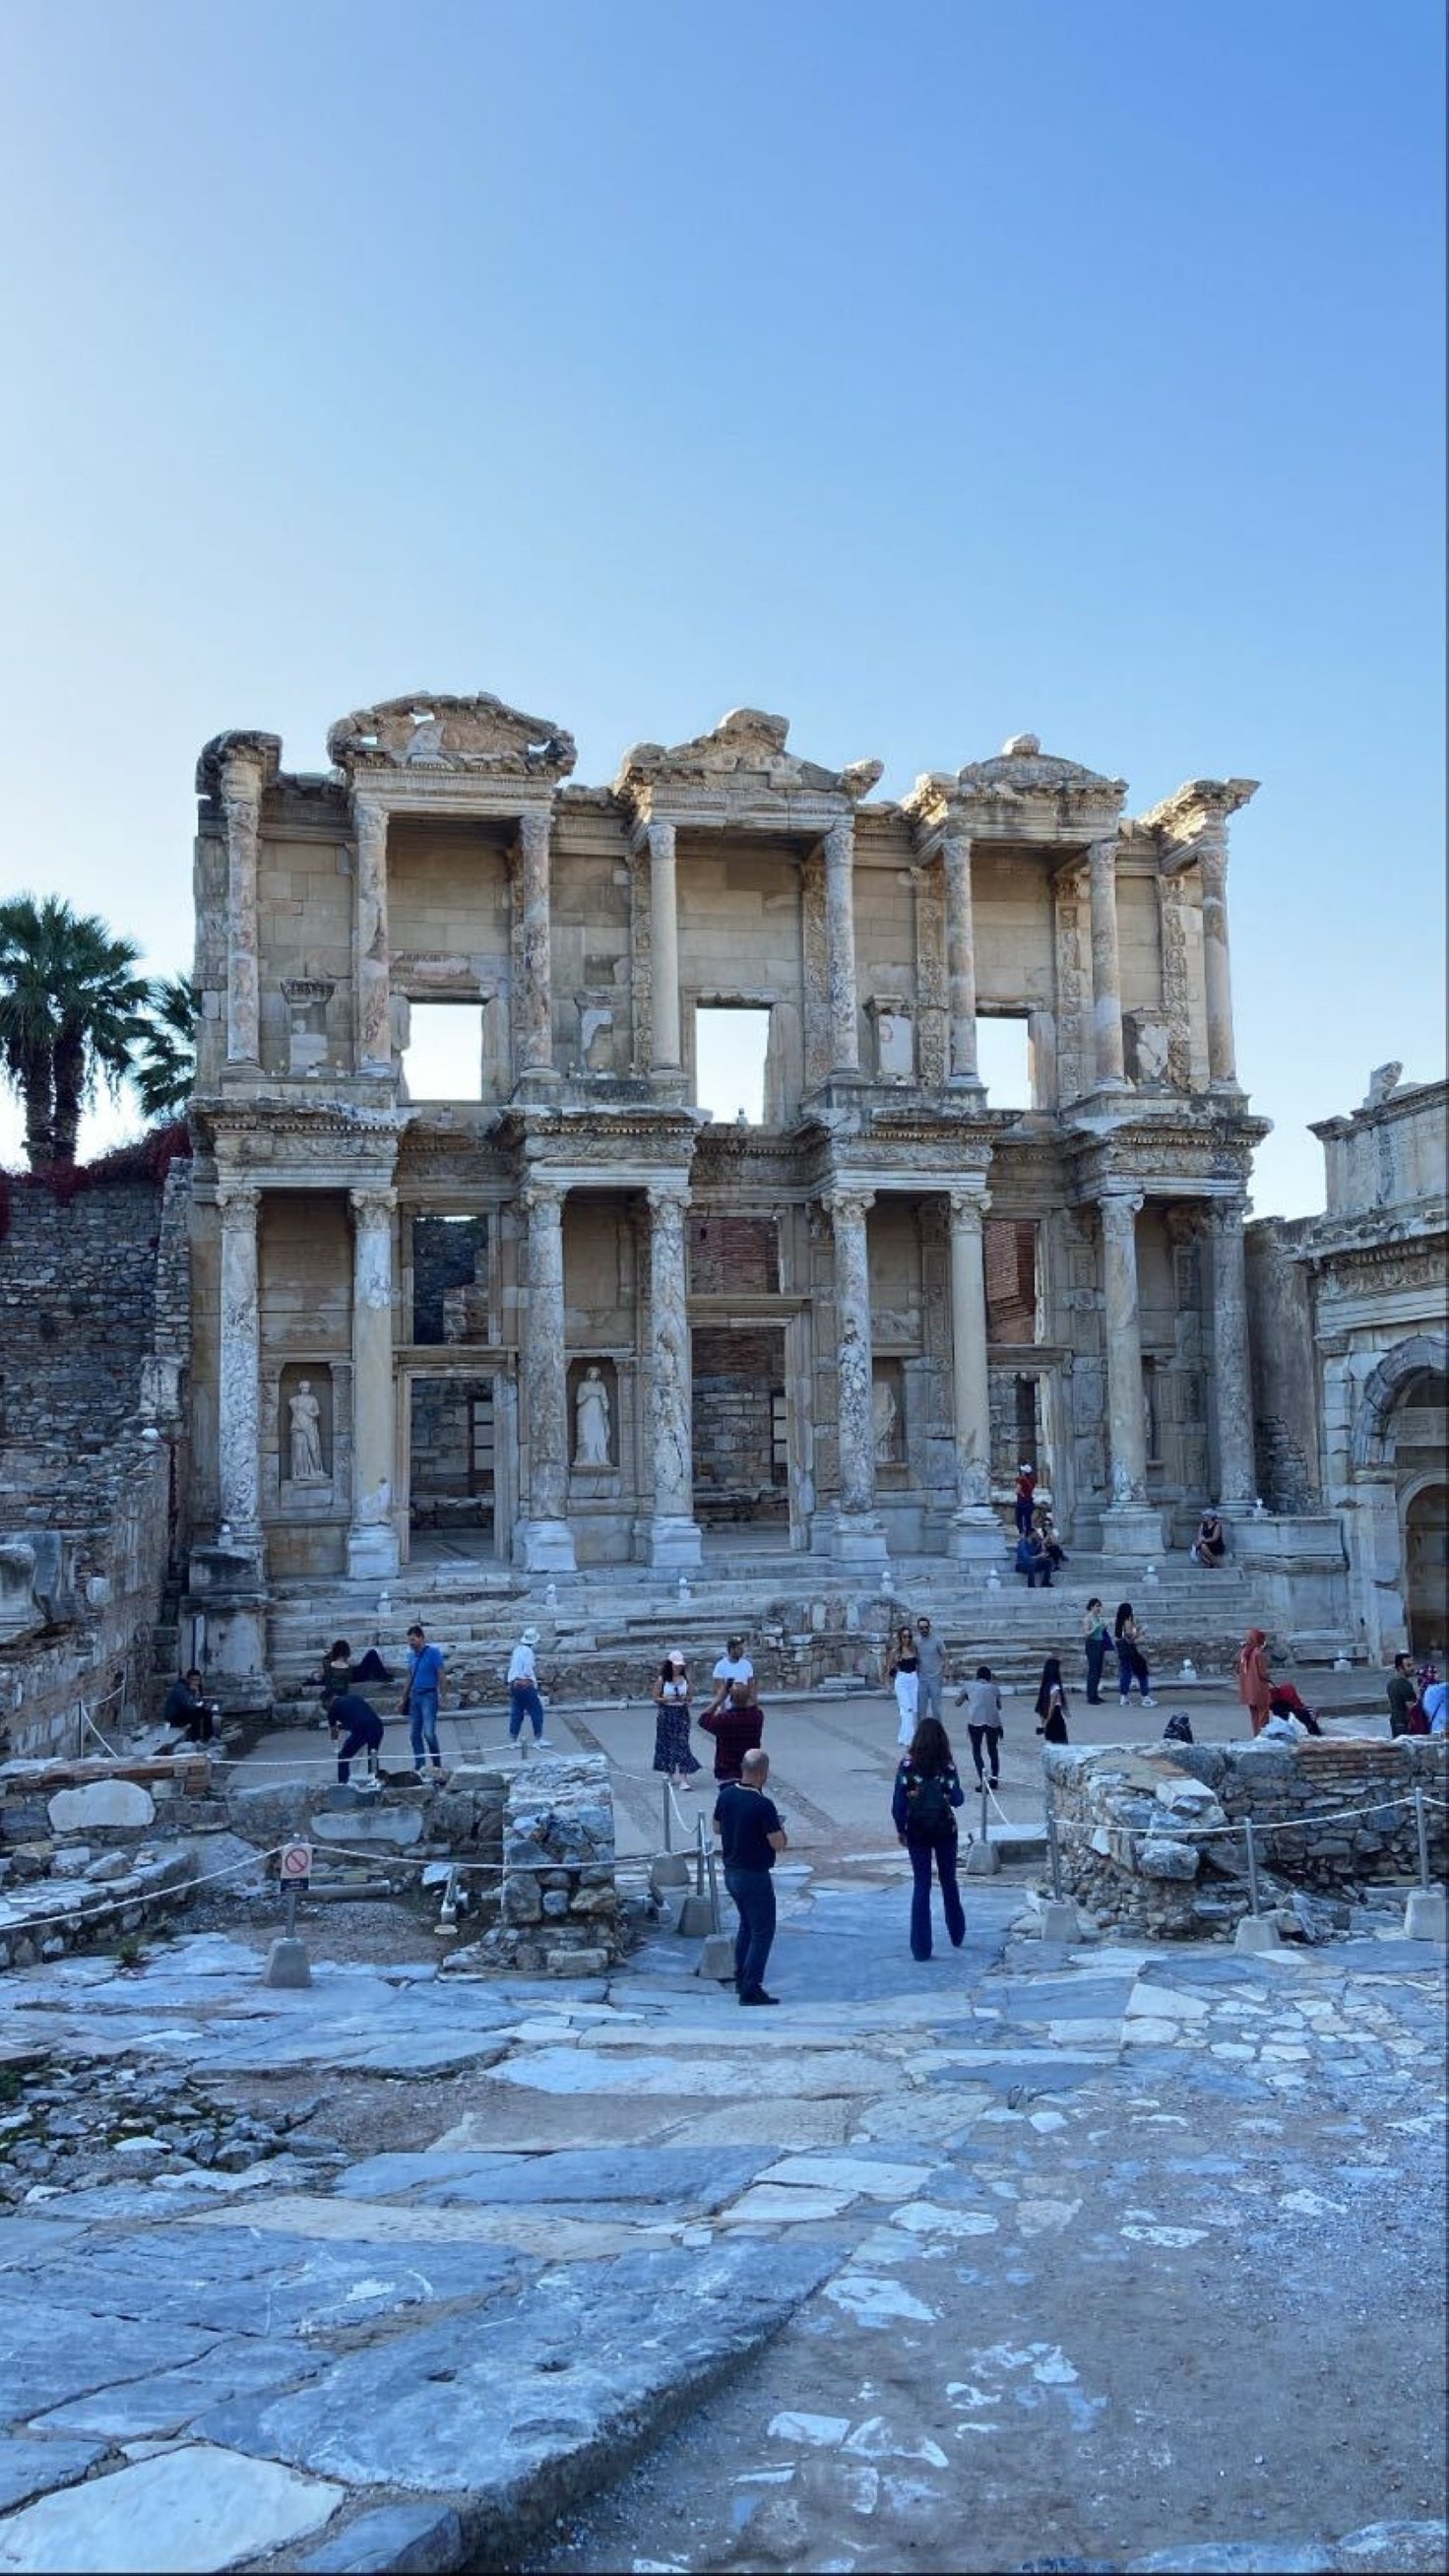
(747, 747)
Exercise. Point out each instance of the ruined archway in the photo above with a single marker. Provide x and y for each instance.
(1422, 1355)
(1426, 1568)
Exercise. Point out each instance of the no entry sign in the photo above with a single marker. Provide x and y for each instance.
(296, 1863)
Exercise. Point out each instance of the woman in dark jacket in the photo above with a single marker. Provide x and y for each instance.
(1051, 1703)
(923, 1804)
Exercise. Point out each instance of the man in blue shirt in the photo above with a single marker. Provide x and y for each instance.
(425, 1681)
(748, 1825)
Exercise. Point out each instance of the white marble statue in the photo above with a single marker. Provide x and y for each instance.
(306, 1436)
(885, 1414)
(591, 1420)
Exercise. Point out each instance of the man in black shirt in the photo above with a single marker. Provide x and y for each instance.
(355, 1721)
(750, 1832)
(186, 1708)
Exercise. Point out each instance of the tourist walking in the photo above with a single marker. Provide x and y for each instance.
(1131, 1661)
(930, 1668)
(356, 1728)
(903, 1672)
(923, 1805)
(421, 1697)
(982, 1701)
(1096, 1637)
(734, 1666)
(1025, 1498)
(672, 1752)
(524, 1699)
(1403, 1691)
(1211, 1543)
(1051, 1703)
(738, 1728)
(1255, 1680)
(750, 1832)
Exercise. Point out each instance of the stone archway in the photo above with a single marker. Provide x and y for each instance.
(1421, 1355)
(1426, 1567)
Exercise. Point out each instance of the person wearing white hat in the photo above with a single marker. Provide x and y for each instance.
(523, 1696)
(672, 1753)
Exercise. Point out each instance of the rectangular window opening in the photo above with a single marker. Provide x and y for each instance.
(1004, 1059)
(731, 1045)
(443, 1058)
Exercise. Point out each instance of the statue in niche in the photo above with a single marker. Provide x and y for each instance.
(886, 1417)
(591, 1420)
(306, 1436)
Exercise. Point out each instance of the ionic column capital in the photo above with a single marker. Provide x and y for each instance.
(968, 1207)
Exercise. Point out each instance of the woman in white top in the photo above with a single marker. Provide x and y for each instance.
(982, 1701)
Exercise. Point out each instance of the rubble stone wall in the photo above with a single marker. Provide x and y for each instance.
(559, 1914)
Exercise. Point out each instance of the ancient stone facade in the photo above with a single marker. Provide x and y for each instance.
(856, 1315)
(1351, 1359)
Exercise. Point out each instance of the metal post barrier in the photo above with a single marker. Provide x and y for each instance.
(1423, 1833)
(291, 1909)
(713, 1883)
(1252, 1866)
(1055, 1852)
(699, 1856)
(985, 1835)
(668, 1843)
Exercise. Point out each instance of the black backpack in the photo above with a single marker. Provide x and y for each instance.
(928, 1806)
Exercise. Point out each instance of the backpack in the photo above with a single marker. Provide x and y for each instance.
(929, 1816)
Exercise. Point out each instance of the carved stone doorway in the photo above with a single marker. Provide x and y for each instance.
(452, 1467)
(741, 1427)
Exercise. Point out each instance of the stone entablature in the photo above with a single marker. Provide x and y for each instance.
(446, 858)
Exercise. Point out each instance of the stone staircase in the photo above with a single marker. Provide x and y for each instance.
(807, 1621)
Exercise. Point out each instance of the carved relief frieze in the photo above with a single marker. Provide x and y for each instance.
(470, 735)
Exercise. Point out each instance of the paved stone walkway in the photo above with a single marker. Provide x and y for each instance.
(1021, 2257)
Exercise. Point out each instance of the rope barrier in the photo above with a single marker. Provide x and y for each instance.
(136, 1896)
(1286, 1825)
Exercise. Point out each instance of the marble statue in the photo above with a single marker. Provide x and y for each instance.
(591, 1420)
(885, 1414)
(306, 1436)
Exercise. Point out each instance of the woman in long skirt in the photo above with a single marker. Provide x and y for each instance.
(904, 1674)
(671, 1723)
(1051, 1704)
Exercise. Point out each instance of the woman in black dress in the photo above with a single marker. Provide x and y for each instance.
(671, 1723)
(1051, 1703)
(923, 1804)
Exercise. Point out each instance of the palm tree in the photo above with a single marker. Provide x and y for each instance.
(70, 1015)
(164, 1074)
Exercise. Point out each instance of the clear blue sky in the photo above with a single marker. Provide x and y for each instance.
(928, 371)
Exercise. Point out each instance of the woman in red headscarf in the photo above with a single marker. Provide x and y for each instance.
(1255, 1681)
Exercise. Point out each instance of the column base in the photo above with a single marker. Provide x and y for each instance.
(673, 1541)
(545, 1547)
(372, 1553)
(1132, 1529)
(856, 1538)
(976, 1536)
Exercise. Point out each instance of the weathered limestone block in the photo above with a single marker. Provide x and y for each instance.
(1159, 1856)
(522, 1900)
(101, 1802)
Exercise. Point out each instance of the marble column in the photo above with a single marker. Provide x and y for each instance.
(664, 1047)
(960, 957)
(975, 1529)
(1130, 1527)
(533, 1001)
(1109, 1060)
(241, 805)
(543, 1538)
(857, 1534)
(674, 1538)
(1217, 967)
(238, 1365)
(372, 1548)
(840, 946)
(1232, 1380)
(371, 956)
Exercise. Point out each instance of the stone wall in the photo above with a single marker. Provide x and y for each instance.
(94, 1307)
(79, 1856)
(735, 1376)
(1141, 1836)
(560, 1908)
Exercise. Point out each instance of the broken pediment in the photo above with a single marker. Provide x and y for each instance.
(263, 748)
(460, 734)
(1202, 805)
(746, 749)
(1024, 791)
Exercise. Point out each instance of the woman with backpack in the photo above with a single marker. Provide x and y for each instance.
(923, 1804)
(1051, 1703)
(1131, 1661)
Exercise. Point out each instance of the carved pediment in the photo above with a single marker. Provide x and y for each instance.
(1023, 786)
(1203, 804)
(461, 734)
(265, 748)
(748, 747)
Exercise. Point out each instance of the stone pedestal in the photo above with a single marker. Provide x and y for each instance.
(1426, 1917)
(1132, 1529)
(1257, 1933)
(857, 1538)
(974, 1537)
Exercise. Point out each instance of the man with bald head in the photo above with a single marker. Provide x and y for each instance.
(748, 1825)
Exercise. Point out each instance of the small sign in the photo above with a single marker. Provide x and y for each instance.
(296, 1863)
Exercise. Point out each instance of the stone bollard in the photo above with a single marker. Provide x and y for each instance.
(668, 1869)
(1426, 1915)
(717, 1958)
(694, 1917)
(983, 1860)
(1060, 1920)
(1257, 1932)
(287, 1963)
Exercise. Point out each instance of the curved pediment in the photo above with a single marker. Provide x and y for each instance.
(467, 735)
(744, 755)
(1022, 784)
(263, 748)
